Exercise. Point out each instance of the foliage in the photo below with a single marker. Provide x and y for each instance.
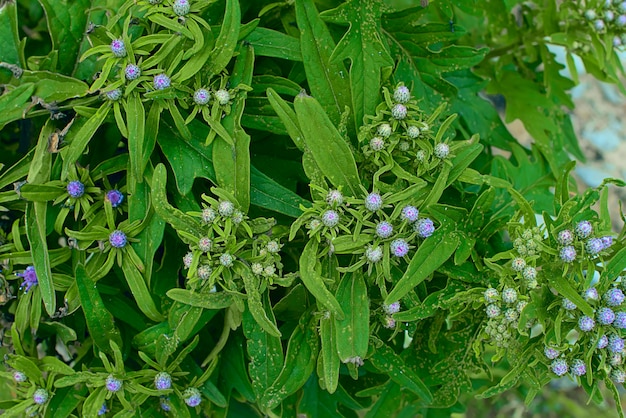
(229, 208)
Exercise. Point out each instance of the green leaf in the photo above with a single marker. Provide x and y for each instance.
(330, 151)
(268, 194)
(41, 192)
(255, 306)
(139, 289)
(314, 281)
(99, 321)
(329, 361)
(36, 232)
(565, 289)
(215, 300)
(226, 41)
(135, 121)
(363, 46)
(288, 116)
(53, 87)
(11, 51)
(353, 331)
(15, 102)
(270, 43)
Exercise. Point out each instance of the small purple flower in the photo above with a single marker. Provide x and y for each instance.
(614, 297)
(226, 260)
(389, 322)
(424, 227)
(192, 397)
(226, 208)
(113, 384)
(550, 353)
(187, 260)
(201, 97)
(591, 294)
(529, 273)
(204, 271)
(578, 368)
(399, 247)
(384, 130)
(402, 94)
(374, 254)
(620, 320)
(618, 376)
(19, 377)
(593, 246)
(103, 409)
(384, 229)
(75, 189)
(492, 310)
(334, 198)
(583, 229)
(222, 96)
(205, 244)
(132, 72)
(162, 381)
(30, 278)
(509, 295)
(377, 143)
(409, 213)
(616, 344)
(565, 237)
(518, 264)
(559, 367)
(621, 20)
(113, 95)
(118, 239)
(208, 215)
(491, 295)
(603, 342)
(40, 396)
(568, 304)
(115, 197)
(442, 150)
(161, 82)
(607, 241)
(568, 254)
(181, 7)
(330, 218)
(606, 316)
(165, 404)
(399, 111)
(118, 48)
(373, 202)
(586, 323)
(392, 308)
(599, 25)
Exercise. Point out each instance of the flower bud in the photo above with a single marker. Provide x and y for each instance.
(334, 198)
(377, 144)
(115, 197)
(113, 384)
(330, 218)
(409, 213)
(402, 94)
(201, 97)
(161, 82)
(606, 316)
(565, 237)
(550, 353)
(373, 202)
(578, 367)
(132, 72)
(509, 295)
(424, 227)
(491, 295)
(413, 131)
(374, 254)
(192, 397)
(181, 7)
(442, 150)
(399, 111)
(583, 229)
(40, 396)
(226, 260)
(568, 254)
(162, 381)
(118, 48)
(222, 96)
(75, 189)
(399, 247)
(118, 239)
(384, 130)
(384, 229)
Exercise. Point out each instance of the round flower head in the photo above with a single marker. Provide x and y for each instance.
(269, 271)
(334, 198)
(606, 316)
(620, 320)
(40, 396)
(614, 297)
(118, 48)
(420, 156)
(161, 82)
(529, 273)
(389, 322)
(226, 208)
(618, 376)
(402, 94)
(568, 304)
(30, 278)
(491, 295)
(511, 315)
(399, 111)
(132, 72)
(374, 254)
(590, 14)
(273, 247)
(75, 189)
(205, 244)
(578, 367)
(609, 15)
(509, 295)
(550, 353)
(377, 143)
(162, 381)
(404, 146)
(399, 247)
(208, 215)
(583, 229)
(204, 272)
(257, 268)
(521, 305)
(392, 308)
(115, 197)
(188, 259)
(616, 359)
(118, 239)
(165, 404)
(19, 377)
(237, 216)
(599, 25)
(607, 241)
(373, 202)
(518, 264)
(330, 218)
(622, 6)
(192, 397)
(559, 367)
(314, 224)
(112, 384)
(591, 294)
(492, 310)
(384, 130)
(181, 7)
(442, 150)
(621, 21)
(201, 97)
(226, 260)
(409, 213)
(617, 41)
(586, 323)
(413, 131)
(113, 95)
(565, 237)
(603, 342)
(424, 227)
(568, 254)
(384, 229)
(616, 344)
(594, 245)
(222, 96)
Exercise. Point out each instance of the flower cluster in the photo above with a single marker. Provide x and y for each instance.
(503, 310)
(606, 18)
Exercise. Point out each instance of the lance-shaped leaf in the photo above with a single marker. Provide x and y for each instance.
(352, 332)
(136, 122)
(314, 281)
(363, 46)
(328, 363)
(255, 306)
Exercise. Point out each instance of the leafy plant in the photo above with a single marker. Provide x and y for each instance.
(225, 208)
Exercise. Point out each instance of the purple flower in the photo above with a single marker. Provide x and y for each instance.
(591, 294)
(162, 381)
(559, 367)
(205, 244)
(614, 297)
(181, 7)
(616, 344)
(402, 94)
(442, 150)
(192, 397)
(204, 271)
(621, 20)
(384, 229)
(492, 310)
(165, 404)
(620, 320)
(377, 143)
(392, 308)
(424, 227)
(114, 94)
(568, 254)
(409, 213)
(389, 322)
(30, 278)
(40, 396)
(618, 376)
(161, 82)
(188, 259)
(226, 260)
(373, 202)
(118, 48)
(606, 316)
(607, 241)
(518, 264)
(115, 197)
(578, 368)
(118, 239)
(201, 97)
(75, 189)
(374, 254)
(594, 245)
(208, 215)
(334, 198)
(399, 111)
(568, 304)
(603, 342)
(226, 208)
(19, 377)
(399, 247)
(103, 409)
(330, 218)
(113, 384)
(586, 323)
(550, 353)
(565, 237)
(132, 72)
(583, 229)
